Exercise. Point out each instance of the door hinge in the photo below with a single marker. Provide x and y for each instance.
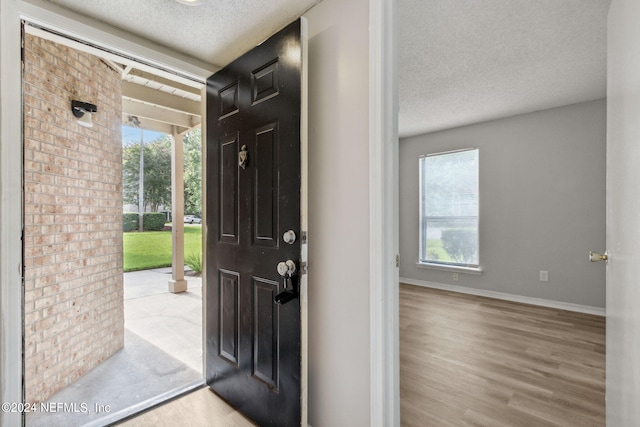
(397, 260)
(303, 268)
(303, 237)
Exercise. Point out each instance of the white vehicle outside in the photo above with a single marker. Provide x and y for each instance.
(192, 219)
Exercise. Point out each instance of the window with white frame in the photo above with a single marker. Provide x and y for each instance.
(449, 213)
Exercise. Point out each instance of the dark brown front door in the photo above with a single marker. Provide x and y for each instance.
(253, 225)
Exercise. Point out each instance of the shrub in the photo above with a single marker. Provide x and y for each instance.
(153, 221)
(129, 221)
(460, 244)
(194, 260)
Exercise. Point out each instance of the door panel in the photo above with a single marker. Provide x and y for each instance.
(228, 202)
(254, 183)
(623, 205)
(228, 101)
(265, 188)
(229, 314)
(264, 82)
(265, 332)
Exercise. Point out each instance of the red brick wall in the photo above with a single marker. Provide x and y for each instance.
(74, 315)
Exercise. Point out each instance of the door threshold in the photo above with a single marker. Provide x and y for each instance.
(146, 405)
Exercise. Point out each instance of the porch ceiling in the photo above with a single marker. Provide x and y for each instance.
(152, 98)
(207, 33)
(159, 103)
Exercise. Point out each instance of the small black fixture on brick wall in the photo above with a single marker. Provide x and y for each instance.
(83, 111)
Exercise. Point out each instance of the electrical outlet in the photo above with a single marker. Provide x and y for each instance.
(544, 276)
(455, 277)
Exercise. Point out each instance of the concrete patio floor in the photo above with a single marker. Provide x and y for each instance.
(162, 354)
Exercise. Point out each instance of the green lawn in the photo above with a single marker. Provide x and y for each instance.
(152, 249)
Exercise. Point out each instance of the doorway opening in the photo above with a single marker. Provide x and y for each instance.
(100, 344)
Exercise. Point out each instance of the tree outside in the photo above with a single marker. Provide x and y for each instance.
(153, 249)
(193, 172)
(157, 172)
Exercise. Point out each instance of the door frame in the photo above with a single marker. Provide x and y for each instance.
(384, 214)
(10, 211)
(383, 143)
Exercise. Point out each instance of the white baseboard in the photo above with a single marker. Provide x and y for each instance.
(598, 311)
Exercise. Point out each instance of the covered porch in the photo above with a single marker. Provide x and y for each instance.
(162, 356)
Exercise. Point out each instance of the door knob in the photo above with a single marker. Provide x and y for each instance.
(286, 268)
(595, 256)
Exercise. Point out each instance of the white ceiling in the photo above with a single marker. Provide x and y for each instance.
(468, 61)
(216, 32)
(460, 61)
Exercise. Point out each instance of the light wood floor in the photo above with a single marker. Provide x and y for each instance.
(202, 408)
(468, 361)
(474, 361)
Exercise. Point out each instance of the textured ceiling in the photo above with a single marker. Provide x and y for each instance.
(217, 32)
(468, 61)
(460, 61)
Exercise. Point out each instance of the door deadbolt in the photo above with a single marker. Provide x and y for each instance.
(289, 237)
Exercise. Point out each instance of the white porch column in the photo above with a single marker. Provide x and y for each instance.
(177, 282)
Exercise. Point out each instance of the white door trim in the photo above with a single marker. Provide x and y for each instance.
(304, 223)
(11, 138)
(10, 211)
(383, 213)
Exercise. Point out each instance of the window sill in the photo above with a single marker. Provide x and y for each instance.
(452, 268)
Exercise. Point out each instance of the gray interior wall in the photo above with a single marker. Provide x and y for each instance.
(542, 203)
(339, 344)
